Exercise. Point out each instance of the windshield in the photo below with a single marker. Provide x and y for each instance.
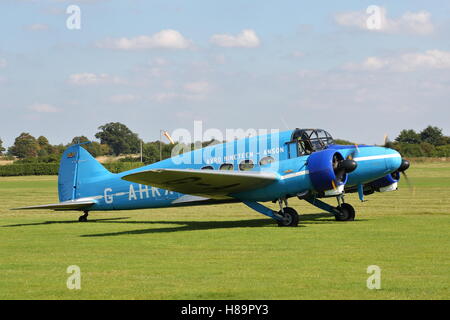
(311, 140)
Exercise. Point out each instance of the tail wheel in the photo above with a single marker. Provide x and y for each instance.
(290, 218)
(84, 217)
(345, 213)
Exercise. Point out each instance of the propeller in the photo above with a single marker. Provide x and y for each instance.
(342, 167)
(351, 156)
(402, 169)
(386, 139)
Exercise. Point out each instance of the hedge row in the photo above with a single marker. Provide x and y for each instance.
(38, 169)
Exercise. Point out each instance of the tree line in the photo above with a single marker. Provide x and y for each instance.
(430, 142)
(117, 139)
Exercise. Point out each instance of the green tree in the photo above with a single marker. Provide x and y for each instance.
(1, 147)
(94, 148)
(343, 142)
(428, 149)
(150, 152)
(119, 138)
(443, 151)
(25, 146)
(45, 148)
(432, 135)
(408, 136)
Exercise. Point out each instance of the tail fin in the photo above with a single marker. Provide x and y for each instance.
(76, 166)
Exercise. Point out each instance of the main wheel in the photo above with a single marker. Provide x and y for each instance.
(346, 213)
(290, 218)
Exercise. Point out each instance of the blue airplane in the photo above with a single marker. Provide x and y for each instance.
(303, 163)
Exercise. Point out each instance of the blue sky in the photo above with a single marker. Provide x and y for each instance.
(232, 64)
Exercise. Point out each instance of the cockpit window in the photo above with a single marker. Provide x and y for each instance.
(311, 140)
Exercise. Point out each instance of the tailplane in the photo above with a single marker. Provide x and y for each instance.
(78, 170)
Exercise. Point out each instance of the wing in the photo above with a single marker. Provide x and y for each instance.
(207, 183)
(66, 205)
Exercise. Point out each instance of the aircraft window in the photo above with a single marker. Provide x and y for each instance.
(317, 144)
(266, 160)
(208, 168)
(226, 166)
(301, 148)
(321, 134)
(304, 147)
(246, 165)
(329, 138)
(311, 140)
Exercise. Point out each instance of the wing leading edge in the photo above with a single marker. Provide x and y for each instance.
(206, 183)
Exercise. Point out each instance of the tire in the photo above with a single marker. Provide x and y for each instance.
(84, 217)
(346, 213)
(291, 218)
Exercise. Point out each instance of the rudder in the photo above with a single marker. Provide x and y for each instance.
(76, 166)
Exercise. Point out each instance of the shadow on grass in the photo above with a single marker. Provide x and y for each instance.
(209, 225)
(186, 226)
(317, 218)
(60, 222)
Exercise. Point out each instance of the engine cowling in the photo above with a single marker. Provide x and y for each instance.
(328, 170)
(387, 183)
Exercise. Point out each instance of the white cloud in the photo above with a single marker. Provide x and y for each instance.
(409, 23)
(165, 97)
(43, 108)
(123, 98)
(198, 87)
(430, 59)
(188, 95)
(38, 27)
(352, 19)
(245, 39)
(82, 79)
(165, 39)
(162, 97)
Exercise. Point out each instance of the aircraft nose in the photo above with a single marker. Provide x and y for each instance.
(393, 159)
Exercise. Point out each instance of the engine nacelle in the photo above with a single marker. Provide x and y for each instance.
(325, 174)
(387, 183)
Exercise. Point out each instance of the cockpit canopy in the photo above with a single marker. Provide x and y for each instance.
(311, 140)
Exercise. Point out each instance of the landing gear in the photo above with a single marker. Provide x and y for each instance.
(289, 217)
(286, 217)
(345, 212)
(83, 218)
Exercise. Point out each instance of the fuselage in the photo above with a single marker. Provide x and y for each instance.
(278, 153)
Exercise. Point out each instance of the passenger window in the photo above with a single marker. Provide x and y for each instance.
(226, 166)
(246, 165)
(208, 168)
(266, 160)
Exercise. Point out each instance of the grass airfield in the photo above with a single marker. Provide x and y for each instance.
(229, 251)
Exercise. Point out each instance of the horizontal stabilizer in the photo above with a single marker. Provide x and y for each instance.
(214, 184)
(66, 205)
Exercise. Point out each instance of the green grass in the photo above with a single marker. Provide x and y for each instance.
(228, 251)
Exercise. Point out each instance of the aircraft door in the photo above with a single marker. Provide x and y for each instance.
(292, 149)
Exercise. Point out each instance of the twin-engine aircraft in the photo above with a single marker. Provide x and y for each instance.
(303, 163)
